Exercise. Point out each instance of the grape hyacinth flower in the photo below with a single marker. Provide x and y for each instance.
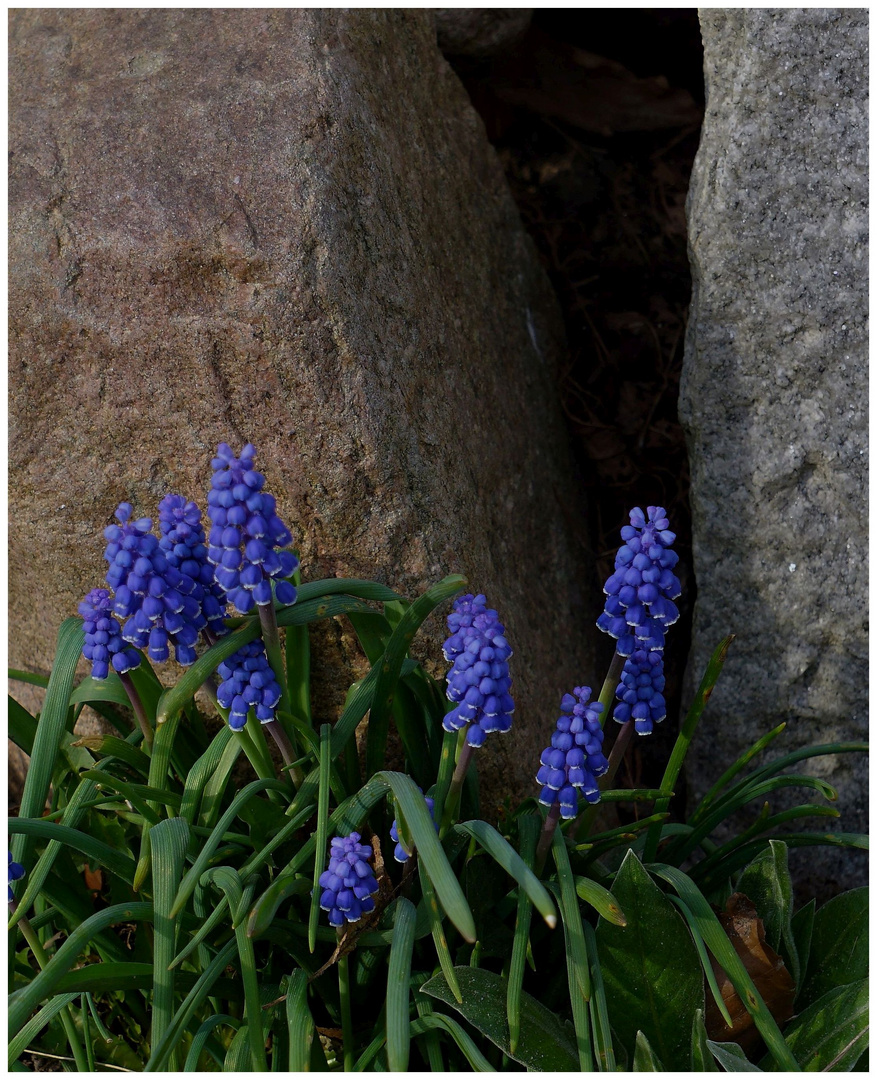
(153, 596)
(185, 548)
(104, 645)
(246, 533)
(399, 853)
(248, 682)
(16, 872)
(479, 679)
(573, 761)
(640, 691)
(640, 593)
(349, 883)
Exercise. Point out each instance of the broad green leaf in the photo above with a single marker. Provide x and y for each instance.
(838, 945)
(544, 1045)
(768, 884)
(644, 1057)
(832, 1033)
(731, 1057)
(802, 928)
(702, 1059)
(651, 968)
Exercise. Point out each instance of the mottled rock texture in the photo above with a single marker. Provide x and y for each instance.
(285, 226)
(480, 33)
(774, 398)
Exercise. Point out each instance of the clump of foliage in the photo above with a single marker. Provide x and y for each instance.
(331, 914)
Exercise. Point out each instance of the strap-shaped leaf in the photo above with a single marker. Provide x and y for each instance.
(97, 850)
(419, 821)
(503, 853)
(398, 992)
(35, 1025)
(577, 966)
(169, 841)
(603, 902)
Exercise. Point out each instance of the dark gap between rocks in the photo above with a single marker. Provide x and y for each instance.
(596, 117)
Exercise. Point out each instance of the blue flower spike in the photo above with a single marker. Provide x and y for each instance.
(640, 692)
(185, 548)
(248, 682)
(349, 884)
(246, 533)
(571, 764)
(16, 872)
(104, 645)
(152, 596)
(399, 852)
(479, 680)
(640, 593)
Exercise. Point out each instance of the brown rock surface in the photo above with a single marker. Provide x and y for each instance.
(284, 227)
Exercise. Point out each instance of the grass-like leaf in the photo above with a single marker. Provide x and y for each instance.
(720, 946)
(529, 826)
(604, 1051)
(199, 1039)
(391, 665)
(45, 983)
(19, 1043)
(419, 821)
(603, 902)
(169, 841)
(22, 726)
(96, 850)
(322, 837)
(503, 853)
(438, 1022)
(51, 728)
(577, 966)
(299, 1022)
(438, 932)
(398, 993)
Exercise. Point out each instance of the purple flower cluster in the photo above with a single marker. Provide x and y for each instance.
(248, 681)
(246, 533)
(640, 593)
(479, 679)
(399, 853)
(573, 761)
(153, 596)
(16, 872)
(104, 645)
(639, 608)
(184, 546)
(349, 883)
(641, 691)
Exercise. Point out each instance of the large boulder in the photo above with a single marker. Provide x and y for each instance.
(774, 398)
(286, 227)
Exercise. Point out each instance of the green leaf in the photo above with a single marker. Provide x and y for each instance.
(802, 928)
(503, 853)
(108, 689)
(603, 902)
(838, 946)
(35, 1025)
(720, 946)
(322, 836)
(578, 968)
(417, 817)
(436, 1022)
(299, 1021)
(45, 983)
(644, 1057)
(168, 841)
(544, 1044)
(438, 933)
(398, 979)
(603, 1047)
(203, 1034)
(832, 1033)
(22, 726)
(702, 1059)
(529, 826)
(731, 1057)
(768, 884)
(391, 666)
(650, 967)
(50, 731)
(96, 850)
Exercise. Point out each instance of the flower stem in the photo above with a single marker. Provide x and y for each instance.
(137, 706)
(276, 730)
(271, 638)
(610, 684)
(546, 836)
(586, 817)
(464, 757)
(36, 947)
(346, 1015)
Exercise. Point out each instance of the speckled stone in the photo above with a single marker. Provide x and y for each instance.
(285, 226)
(773, 399)
(480, 33)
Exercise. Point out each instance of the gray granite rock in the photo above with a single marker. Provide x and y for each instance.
(285, 226)
(480, 33)
(774, 396)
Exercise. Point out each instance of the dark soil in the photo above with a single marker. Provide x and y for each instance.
(596, 117)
